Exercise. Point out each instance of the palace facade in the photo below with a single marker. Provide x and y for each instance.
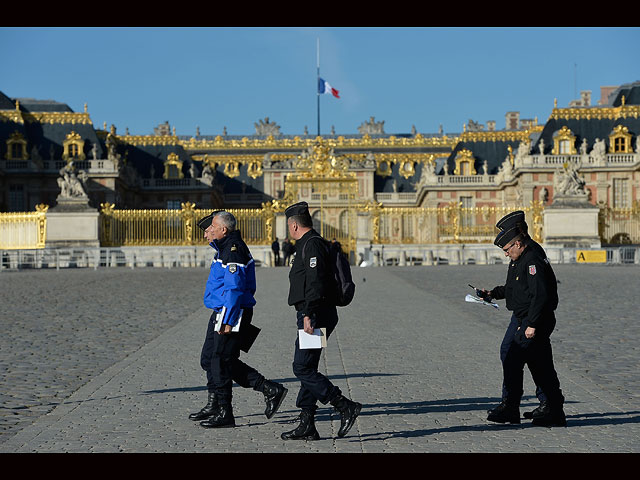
(379, 184)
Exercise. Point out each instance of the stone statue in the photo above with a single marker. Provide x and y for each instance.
(371, 127)
(192, 170)
(522, 151)
(541, 146)
(583, 147)
(567, 182)
(266, 128)
(208, 175)
(544, 195)
(94, 151)
(72, 186)
(599, 151)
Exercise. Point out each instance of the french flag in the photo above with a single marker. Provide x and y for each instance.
(324, 87)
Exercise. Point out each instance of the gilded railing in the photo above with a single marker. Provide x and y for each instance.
(451, 224)
(619, 225)
(176, 227)
(23, 230)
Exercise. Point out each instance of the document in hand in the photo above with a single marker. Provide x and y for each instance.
(316, 340)
(474, 299)
(220, 316)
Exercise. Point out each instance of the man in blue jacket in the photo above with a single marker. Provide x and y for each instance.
(229, 293)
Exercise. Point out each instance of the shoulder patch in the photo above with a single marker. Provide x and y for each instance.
(313, 261)
(532, 269)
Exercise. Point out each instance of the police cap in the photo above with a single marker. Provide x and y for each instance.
(505, 236)
(511, 220)
(300, 208)
(204, 222)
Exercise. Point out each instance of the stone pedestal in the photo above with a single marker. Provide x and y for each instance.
(72, 224)
(571, 222)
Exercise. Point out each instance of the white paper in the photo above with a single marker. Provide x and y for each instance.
(474, 299)
(316, 340)
(219, 318)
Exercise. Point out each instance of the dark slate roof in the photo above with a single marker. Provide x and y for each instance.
(6, 103)
(631, 93)
(582, 128)
(34, 105)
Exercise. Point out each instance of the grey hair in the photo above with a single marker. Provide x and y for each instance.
(227, 219)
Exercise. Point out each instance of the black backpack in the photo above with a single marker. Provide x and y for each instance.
(345, 288)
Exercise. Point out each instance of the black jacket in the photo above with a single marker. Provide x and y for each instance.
(311, 282)
(531, 289)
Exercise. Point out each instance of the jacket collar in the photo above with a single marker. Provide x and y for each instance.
(222, 243)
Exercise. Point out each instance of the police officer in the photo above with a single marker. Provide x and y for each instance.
(531, 294)
(312, 292)
(507, 222)
(230, 293)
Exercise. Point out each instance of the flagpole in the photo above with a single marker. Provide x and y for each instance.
(318, 82)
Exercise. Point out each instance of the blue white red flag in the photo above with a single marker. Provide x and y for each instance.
(324, 87)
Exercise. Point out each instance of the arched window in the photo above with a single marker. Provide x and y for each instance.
(564, 142)
(620, 140)
(16, 147)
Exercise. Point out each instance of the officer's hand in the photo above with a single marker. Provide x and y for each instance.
(225, 329)
(484, 294)
(307, 325)
(530, 332)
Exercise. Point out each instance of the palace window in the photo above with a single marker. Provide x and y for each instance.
(16, 147)
(465, 163)
(564, 142)
(16, 198)
(466, 216)
(620, 140)
(173, 167)
(73, 147)
(621, 193)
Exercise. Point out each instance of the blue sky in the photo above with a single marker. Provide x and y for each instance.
(211, 78)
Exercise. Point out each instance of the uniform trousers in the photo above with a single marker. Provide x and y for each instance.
(504, 348)
(536, 353)
(220, 358)
(314, 386)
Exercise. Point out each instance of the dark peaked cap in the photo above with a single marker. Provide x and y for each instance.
(300, 208)
(512, 219)
(204, 222)
(505, 236)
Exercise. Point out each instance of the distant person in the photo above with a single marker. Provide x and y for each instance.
(229, 293)
(275, 248)
(287, 251)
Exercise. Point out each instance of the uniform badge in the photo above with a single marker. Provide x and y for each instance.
(532, 269)
(232, 268)
(313, 261)
(233, 248)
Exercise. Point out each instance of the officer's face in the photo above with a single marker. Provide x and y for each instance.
(514, 250)
(215, 231)
(293, 229)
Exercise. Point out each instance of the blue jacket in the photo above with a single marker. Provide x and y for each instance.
(232, 279)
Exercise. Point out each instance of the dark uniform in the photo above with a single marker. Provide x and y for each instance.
(531, 294)
(507, 222)
(312, 292)
(229, 292)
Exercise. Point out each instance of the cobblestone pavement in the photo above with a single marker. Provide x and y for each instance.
(108, 361)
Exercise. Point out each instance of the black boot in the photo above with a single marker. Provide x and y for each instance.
(541, 410)
(208, 410)
(505, 413)
(274, 394)
(497, 409)
(306, 430)
(553, 417)
(348, 410)
(223, 418)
